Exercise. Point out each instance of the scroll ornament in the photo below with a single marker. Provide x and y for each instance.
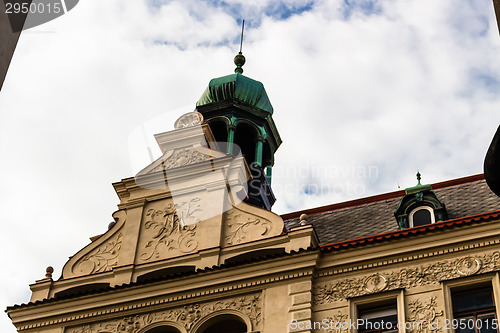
(101, 259)
(167, 232)
(244, 227)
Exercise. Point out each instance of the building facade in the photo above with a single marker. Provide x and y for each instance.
(195, 247)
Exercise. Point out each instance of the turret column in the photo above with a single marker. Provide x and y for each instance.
(230, 138)
(258, 150)
(269, 173)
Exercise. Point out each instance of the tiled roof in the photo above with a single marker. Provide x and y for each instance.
(375, 215)
(413, 231)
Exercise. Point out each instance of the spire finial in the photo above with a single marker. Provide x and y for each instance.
(239, 60)
(418, 177)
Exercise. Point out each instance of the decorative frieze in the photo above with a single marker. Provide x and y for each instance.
(187, 316)
(406, 278)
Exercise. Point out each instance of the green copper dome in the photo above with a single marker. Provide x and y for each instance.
(239, 87)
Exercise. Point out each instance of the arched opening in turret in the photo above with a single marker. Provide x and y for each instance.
(245, 137)
(219, 129)
(267, 156)
(224, 323)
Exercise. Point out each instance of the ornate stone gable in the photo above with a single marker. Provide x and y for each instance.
(413, 276)
(187, 316)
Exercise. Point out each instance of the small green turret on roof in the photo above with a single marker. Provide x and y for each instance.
(237, 87)
(239, 113)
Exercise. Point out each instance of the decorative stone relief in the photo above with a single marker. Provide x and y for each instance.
(468, 266)
(188, 316)
(189, 119)
(375, 283)
(243, 227)
(338, 323)
(166, 231)
(425, 315)
(181, 158)
(405, 278)
(101, 259)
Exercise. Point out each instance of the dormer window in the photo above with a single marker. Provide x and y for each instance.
(420, 206)
(421, 216)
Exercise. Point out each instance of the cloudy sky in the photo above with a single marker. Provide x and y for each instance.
(365, 94)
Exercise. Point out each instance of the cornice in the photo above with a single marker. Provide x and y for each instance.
(151, 296)
(402, 258)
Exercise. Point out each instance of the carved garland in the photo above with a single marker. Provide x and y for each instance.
(168, 231)
(102, 259)
(406, 278)
(187, 316)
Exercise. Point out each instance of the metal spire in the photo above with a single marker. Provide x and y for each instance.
(239, 60)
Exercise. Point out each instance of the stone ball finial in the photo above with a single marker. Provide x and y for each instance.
(303, 219)
(239, 61)
(48, 272)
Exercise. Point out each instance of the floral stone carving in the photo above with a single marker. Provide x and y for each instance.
(424, 316)
(338, 323)
(181, 158)
(405, 278)
(187, 316)
(166, 231)
(242, 227)
(101, 259)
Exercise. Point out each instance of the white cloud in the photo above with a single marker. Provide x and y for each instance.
(408, 87)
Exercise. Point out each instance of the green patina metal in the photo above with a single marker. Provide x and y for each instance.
(419, 187)
(236, 87)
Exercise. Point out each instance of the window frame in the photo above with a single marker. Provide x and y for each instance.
(474, 282)
(477, 312)
(416, 209)
(394, 295)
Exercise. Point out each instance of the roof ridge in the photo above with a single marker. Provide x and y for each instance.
(378, 197)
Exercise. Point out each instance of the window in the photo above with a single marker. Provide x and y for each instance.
(378, 319)
(421, 216)
(474, 311)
